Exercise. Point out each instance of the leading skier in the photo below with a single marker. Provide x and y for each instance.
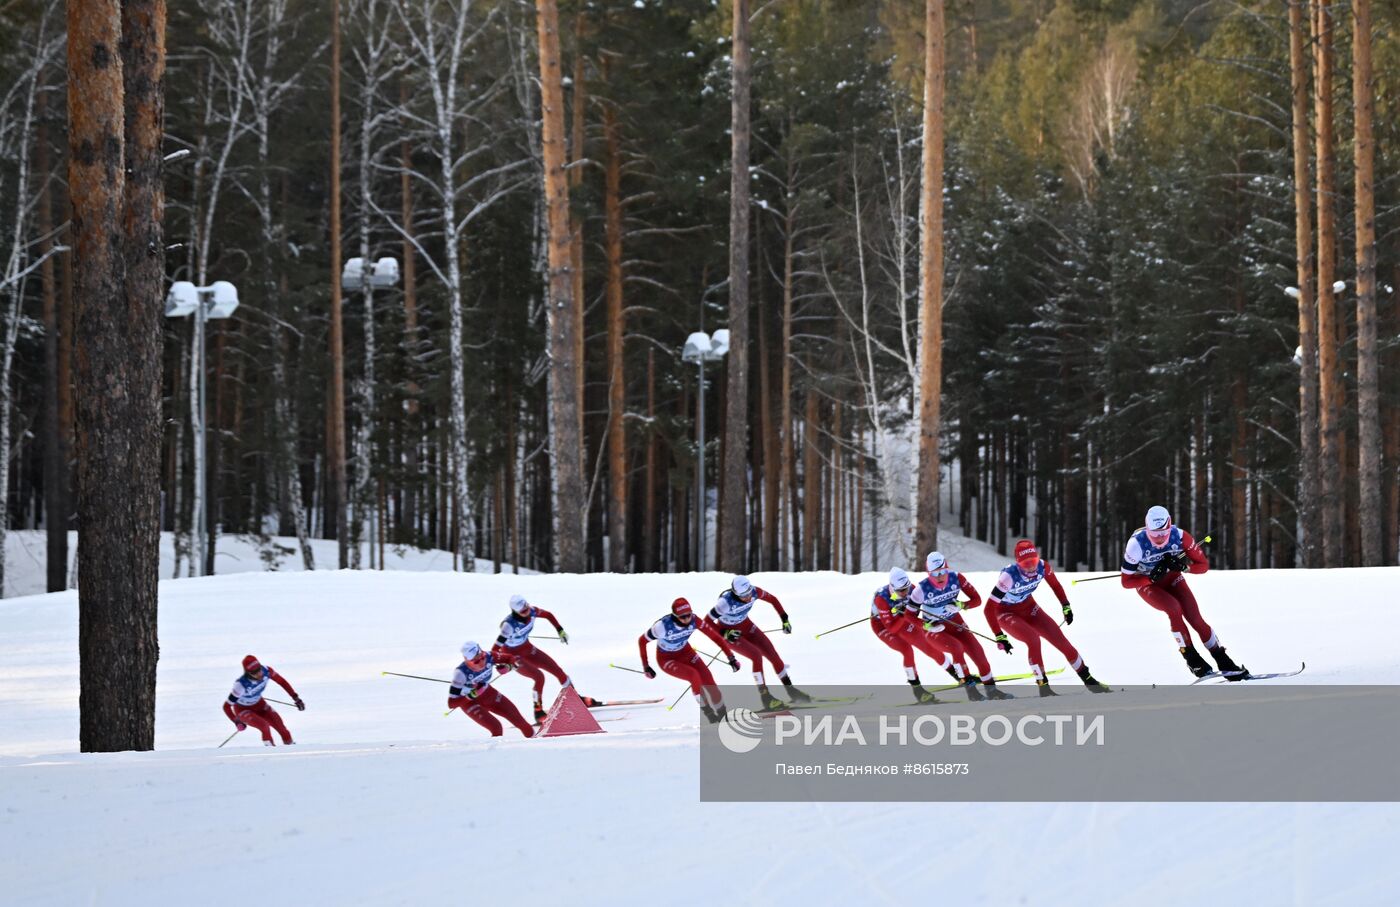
(1155, 563)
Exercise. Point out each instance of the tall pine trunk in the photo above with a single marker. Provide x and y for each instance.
(931, 283)
(56, 440)
(115, 109)
(1368, 402)
(734, 481)
(617, 386)
(1332, 400)
(335, 448)
(1309, 515)
(570, 499)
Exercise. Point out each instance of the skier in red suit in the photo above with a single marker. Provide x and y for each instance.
(246, 707)
(513, 648)
(1155, 562)
(730, 616)
(938, 601)
(1012, 609)
(471, 691)
(675, 656)
(892, 626)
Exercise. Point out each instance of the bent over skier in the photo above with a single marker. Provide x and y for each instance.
(1155, 562)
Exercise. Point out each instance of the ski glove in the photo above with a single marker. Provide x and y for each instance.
(563, 637)
(503, 667)
(240, 725)
(733, 663)
(933, 626)
(646, 669)
(733, 636)
(787, 626)
(301, 706)
(1160, 569)
(1181, 562)
(1068, 612)
(1003, 643)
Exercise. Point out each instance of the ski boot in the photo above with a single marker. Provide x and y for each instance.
(1228, 669)
(721, 713)
(973, 694)
(1089, 681)
(540, 715)
(793, 692)
(989, 689)
(591, 703)
(922, 695)
(710, 714)
(1198, 665)
(768, 701)
(1043, 686)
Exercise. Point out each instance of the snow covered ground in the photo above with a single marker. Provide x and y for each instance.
(26, 555)
(386, 801)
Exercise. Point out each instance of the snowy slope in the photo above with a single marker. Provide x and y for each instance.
(384, 800)
(26, 555)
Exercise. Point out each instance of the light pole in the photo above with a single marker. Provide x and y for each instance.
(701, 348)
(218, 300)
(367, 276)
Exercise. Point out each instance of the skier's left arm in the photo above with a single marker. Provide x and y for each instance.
(282, 682)
(558, 628)
(974, 598)
(1055, 586)
(772, 599)
(1198, 562)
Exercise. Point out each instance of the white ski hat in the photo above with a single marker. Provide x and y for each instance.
(1158, 519)
(899, 579)
(935, 561)
(518, 604)
(741, 586)
(470, 651)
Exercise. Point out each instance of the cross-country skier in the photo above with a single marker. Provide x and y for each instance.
(1012, 609)
(675, 656)
(892, 627)
(940, 621)
(1155, 562)
(513, 647)
(246, 706)
(730, 616)
(471, 691)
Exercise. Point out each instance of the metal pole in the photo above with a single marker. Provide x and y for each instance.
(700, 469)
(197, 518)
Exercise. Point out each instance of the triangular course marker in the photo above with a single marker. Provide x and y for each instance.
(568, 716)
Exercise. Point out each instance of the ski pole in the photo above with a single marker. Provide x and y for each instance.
(413, 676)
(843, 626)
(687, 686)
(944, 620)
(1094, 579)
(279, 701)
(621, 668)
(227, 739)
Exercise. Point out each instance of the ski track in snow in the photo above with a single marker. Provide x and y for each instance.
(386, 801)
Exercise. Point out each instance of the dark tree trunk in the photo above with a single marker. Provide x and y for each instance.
(56, 440)
(736, 416)
(115, 108)
(570, 493)
(931, 283)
